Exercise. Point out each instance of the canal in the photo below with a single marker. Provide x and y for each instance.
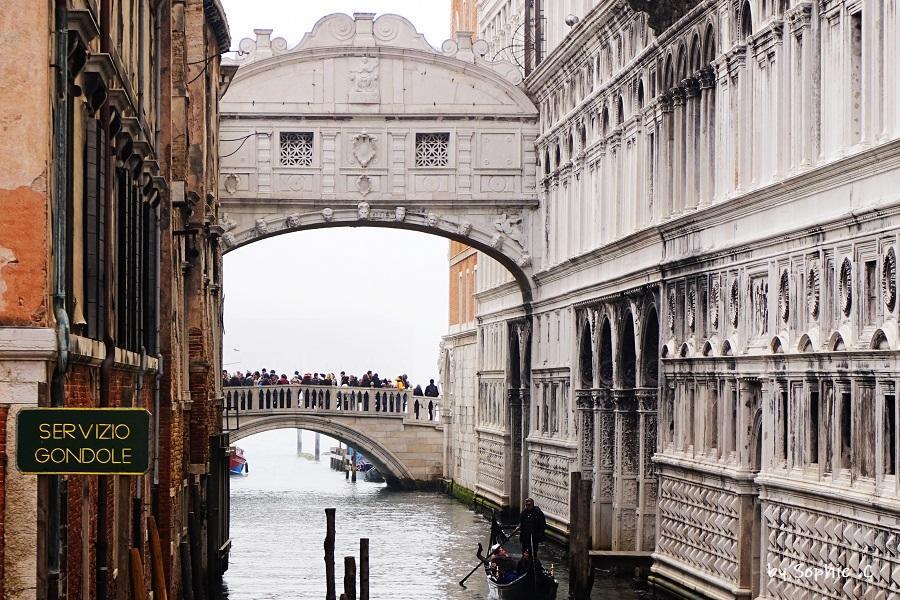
(422, 543)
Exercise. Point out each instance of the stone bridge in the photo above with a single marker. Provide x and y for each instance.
(407, 448)
(364, 124)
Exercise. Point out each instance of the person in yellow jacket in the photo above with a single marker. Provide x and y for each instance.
(401, 385)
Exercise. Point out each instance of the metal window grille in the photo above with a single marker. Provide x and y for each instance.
(296, 149)
(432, 149)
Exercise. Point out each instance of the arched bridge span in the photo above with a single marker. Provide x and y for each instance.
(406, 446)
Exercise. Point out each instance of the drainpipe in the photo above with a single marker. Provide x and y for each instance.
(101, 567)
(60, 191)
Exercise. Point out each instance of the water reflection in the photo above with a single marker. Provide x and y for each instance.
(421, 543)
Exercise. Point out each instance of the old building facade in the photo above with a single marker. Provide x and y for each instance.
(713, 336)
(110, 287)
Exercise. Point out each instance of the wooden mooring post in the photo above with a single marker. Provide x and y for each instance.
(350, 577)
(581, 574)
(329, 554)
(364, 569)
(353, 465)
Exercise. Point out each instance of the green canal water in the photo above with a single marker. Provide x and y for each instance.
(421, 543)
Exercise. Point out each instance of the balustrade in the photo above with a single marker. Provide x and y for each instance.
(386, 402)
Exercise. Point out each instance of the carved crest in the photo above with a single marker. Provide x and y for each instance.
(364, 185)
(364, 149)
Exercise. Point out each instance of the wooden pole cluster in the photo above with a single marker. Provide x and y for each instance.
(349, 592)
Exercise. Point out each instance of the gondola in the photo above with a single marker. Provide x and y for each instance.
(535, 584)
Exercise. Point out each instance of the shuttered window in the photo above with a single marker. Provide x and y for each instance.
(94, 230)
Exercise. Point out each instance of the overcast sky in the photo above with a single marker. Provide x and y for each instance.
(345, 298)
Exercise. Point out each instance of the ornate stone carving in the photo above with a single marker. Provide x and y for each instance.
(497, 241)
(364, 82)
(400, 213)
(889, 279)
(229, 239)
(231, 183)
(845, 287)
(813, 290)
(698, 527)
(262, 227)
(670, 316)
(464, 227)
(550, 482)
(692, 309)
(490, 463)
(733, 302)
(760, 296)
(226, 222)
(662, 13)
(293, 220)
(362, 210)
(784, 297)
(803, 540)
(431, 220)
(327, 214)
(524, 260)
(364, 149)
(364, 185)
(511, 226)
(714, 298)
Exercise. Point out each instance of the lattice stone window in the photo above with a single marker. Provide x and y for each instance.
(296, 148)
(432, 149)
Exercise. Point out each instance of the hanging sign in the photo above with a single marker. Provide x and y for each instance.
(83, 441)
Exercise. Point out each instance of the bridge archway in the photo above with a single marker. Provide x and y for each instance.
(387, 460)
(363, 123)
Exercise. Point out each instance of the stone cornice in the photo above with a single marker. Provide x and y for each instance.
(27, 343)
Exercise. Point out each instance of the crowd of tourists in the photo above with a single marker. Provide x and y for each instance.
(368, 380)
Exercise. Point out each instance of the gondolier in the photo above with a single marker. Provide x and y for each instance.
(531, 527)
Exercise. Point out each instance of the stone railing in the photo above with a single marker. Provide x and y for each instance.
(382, 402)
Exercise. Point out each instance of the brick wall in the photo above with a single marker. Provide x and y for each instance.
(462, 290)
(4, 412)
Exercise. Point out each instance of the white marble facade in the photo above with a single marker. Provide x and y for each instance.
(719, 216)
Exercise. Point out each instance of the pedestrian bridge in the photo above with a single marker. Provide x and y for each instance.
(405, 444)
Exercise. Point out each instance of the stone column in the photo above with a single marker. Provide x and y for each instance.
(625, 471)
(678, 164)
(647, 493)
(585, 414)
(744, 431)
(691, 93)
(605, 440)
(523, 454)
(708, 137)
(664, 189)
(514, 414)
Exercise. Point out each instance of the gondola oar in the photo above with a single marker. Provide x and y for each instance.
(462, 581)
(483, 559)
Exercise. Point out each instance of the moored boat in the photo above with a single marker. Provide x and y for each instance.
(237, 464)
(373, 476)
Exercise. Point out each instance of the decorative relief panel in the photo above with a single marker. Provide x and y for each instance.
(498, 151)
(432, 149)
(889, 280)
(784, 297)
(845, 287)
(714, 297)
(490, 463)
(296, 148)
(813, 290)
(733, 303)
(698, 527)
(549, 484)
(821, 555)
(432, 183)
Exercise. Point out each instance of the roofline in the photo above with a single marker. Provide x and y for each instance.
(215, 17)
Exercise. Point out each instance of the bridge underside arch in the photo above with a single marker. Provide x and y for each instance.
(395, 472)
